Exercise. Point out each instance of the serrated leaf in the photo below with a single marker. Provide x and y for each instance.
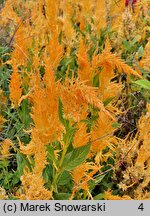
(143, 83)
(76, 157)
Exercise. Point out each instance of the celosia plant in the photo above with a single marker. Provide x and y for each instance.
(69, 126)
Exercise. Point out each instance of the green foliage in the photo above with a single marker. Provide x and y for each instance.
(64, 178)
(143, 84)
(62, 196)
(76, 157)
(61, 157)
(61, 113)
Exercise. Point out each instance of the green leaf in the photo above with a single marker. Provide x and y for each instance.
(126, 45)
(116, 125)
(108, 100)
(68, 137)
(145, 73)
(100, 196)
(69, 61)
(64, 178)
(61, 113)
(76, 157)
(50, 153)
(140, 51)
(22, 162)
(95, 81)
(60, 37)
(62, 196)
(20, 165)
(143, 83)
(48, 173)
(15, 179)
(94, 183)
(134, 40)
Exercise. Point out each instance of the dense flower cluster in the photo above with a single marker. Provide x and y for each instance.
(71, 115)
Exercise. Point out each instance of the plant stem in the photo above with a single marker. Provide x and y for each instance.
(52, 187)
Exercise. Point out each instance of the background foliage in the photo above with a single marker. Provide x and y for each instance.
(74, 99)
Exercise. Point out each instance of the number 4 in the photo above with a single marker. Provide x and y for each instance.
(141, 207)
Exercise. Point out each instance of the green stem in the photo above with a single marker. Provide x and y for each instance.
(52, 187)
